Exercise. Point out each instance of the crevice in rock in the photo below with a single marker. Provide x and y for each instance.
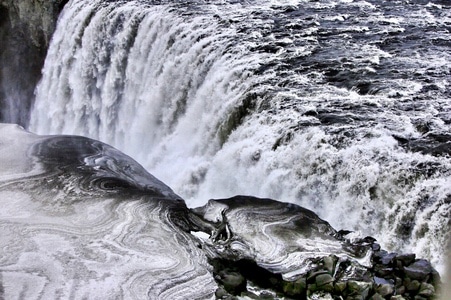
(235, 277)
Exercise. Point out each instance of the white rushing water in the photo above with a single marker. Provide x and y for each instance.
(183, 90)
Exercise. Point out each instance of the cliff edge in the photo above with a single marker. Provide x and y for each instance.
(26, 27)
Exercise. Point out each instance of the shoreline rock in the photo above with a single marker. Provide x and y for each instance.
(362, 271)
(395, 285)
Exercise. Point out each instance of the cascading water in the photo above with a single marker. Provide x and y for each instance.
(153, 83)
(339, 106)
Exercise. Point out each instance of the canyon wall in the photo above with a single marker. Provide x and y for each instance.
(26, 27)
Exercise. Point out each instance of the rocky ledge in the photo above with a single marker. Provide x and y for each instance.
(81, 220)
(391, 276)
(357, 269)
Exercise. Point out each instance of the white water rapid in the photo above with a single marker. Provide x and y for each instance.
(215, 99)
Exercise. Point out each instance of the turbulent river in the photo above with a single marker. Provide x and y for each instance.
(340, 106)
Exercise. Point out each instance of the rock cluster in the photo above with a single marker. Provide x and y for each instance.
(391, 276)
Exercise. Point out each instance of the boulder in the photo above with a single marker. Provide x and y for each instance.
(385, 289)
(418, 270)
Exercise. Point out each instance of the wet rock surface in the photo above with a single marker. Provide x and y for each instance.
(74, 207)
(397, 282)
(357, 269)
(358, 90)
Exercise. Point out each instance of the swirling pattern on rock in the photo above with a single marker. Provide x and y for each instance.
(281, 237)
(81, 220)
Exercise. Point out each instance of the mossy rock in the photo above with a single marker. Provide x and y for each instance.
(359, 288)
(426, 290)
(340, 286)
(295, 288)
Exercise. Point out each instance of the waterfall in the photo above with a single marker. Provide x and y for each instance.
(218, 99)
(146, 80)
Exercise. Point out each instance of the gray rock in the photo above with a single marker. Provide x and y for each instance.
(315, 274)
(413, 286)
(383, 270)
(400, 290)
(398, 281)
(418, 270)
(221, 293)
(388, 259)
(323, 279)
(406, 259)
(385, 289)
(426, 290)
(295, 288)
(25, 36)
(325, 282)
(233, 282)
(311, 288)
(377, 297)
(359, 288)
(340, 286)
(379, 280)
(397, 297)
(329, 263)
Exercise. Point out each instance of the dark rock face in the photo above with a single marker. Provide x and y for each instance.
(80, 219)
(26, 27)
(252, 236)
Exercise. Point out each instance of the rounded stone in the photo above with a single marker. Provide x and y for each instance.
(426, 290)
(385, 290)
(413, 286)
(398, 282)
(397, 297)
(340, 287)
(377, 297)
(323, 279)
(328, 287)
(311, 288)
(233, 282)
(400, 290)
(388, 259)
(294, 288)
(221, 293)
(359, 288)
(315, 274)
(329, 264)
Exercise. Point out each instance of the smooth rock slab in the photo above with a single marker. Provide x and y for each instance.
(79, 219)
(280, 237)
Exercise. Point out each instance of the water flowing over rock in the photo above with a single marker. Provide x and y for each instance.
(79, 219)
(339, 106)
